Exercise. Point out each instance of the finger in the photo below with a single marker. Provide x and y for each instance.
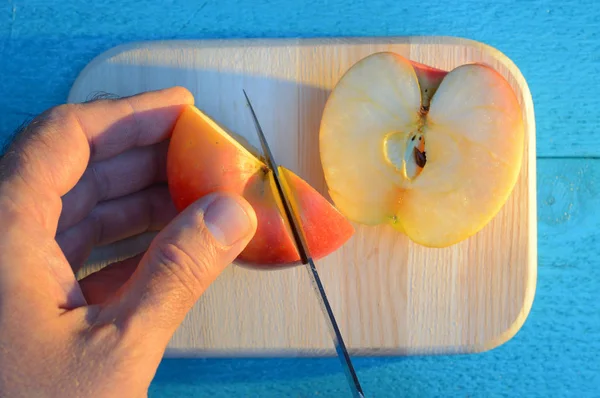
(52, 153)
(101, 285)
(124, 174)
(182, 261)
(113, 220)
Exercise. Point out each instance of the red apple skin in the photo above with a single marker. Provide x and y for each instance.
(201, 160)
(428, 73)
(429, 80)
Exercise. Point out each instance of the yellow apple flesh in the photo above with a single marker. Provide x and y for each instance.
(434, 154)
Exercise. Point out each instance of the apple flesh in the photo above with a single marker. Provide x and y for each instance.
(434, 154)
(203, 158)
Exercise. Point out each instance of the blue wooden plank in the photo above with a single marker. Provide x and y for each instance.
(43, 45)
(555, 44)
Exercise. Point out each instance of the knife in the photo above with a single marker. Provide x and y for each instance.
(302, 247)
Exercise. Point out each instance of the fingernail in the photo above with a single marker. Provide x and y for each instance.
(227, 220)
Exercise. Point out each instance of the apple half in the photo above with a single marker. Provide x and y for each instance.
(203, 158)
(434, 154)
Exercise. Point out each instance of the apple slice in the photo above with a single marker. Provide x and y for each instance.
(203, 158)
(435, 154)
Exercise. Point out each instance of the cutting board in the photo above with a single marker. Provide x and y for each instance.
(390, 296)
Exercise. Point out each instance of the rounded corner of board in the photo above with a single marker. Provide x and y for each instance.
(98, 59)
(515, 327)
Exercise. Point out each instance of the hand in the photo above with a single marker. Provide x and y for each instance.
(89, 174)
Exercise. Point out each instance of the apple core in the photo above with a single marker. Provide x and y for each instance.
(406, 153)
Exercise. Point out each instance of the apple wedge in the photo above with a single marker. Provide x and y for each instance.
(202, 158)
(434, 154)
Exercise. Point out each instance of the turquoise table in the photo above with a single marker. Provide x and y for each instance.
(556, 45)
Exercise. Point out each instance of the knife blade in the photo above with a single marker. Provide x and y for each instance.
(302, 247)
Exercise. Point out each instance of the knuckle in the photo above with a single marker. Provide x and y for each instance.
(97, 227)
(39, 133)
(61, 114)
(53, 124)
(64, 117)
(190, 272)
(57, 116)
(101, 182)
(62, 110)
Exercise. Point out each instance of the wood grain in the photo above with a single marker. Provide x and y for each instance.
(389, 295)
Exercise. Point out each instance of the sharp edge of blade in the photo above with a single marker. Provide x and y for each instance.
(261, 136)
(296, 228)
(299, 237)
(295, 225)
(338, 341)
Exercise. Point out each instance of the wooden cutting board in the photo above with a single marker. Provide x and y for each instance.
(389, 295)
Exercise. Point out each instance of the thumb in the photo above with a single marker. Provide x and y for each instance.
(181, 263)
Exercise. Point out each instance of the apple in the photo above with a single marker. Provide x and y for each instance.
(203, 158)
(434, 154)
